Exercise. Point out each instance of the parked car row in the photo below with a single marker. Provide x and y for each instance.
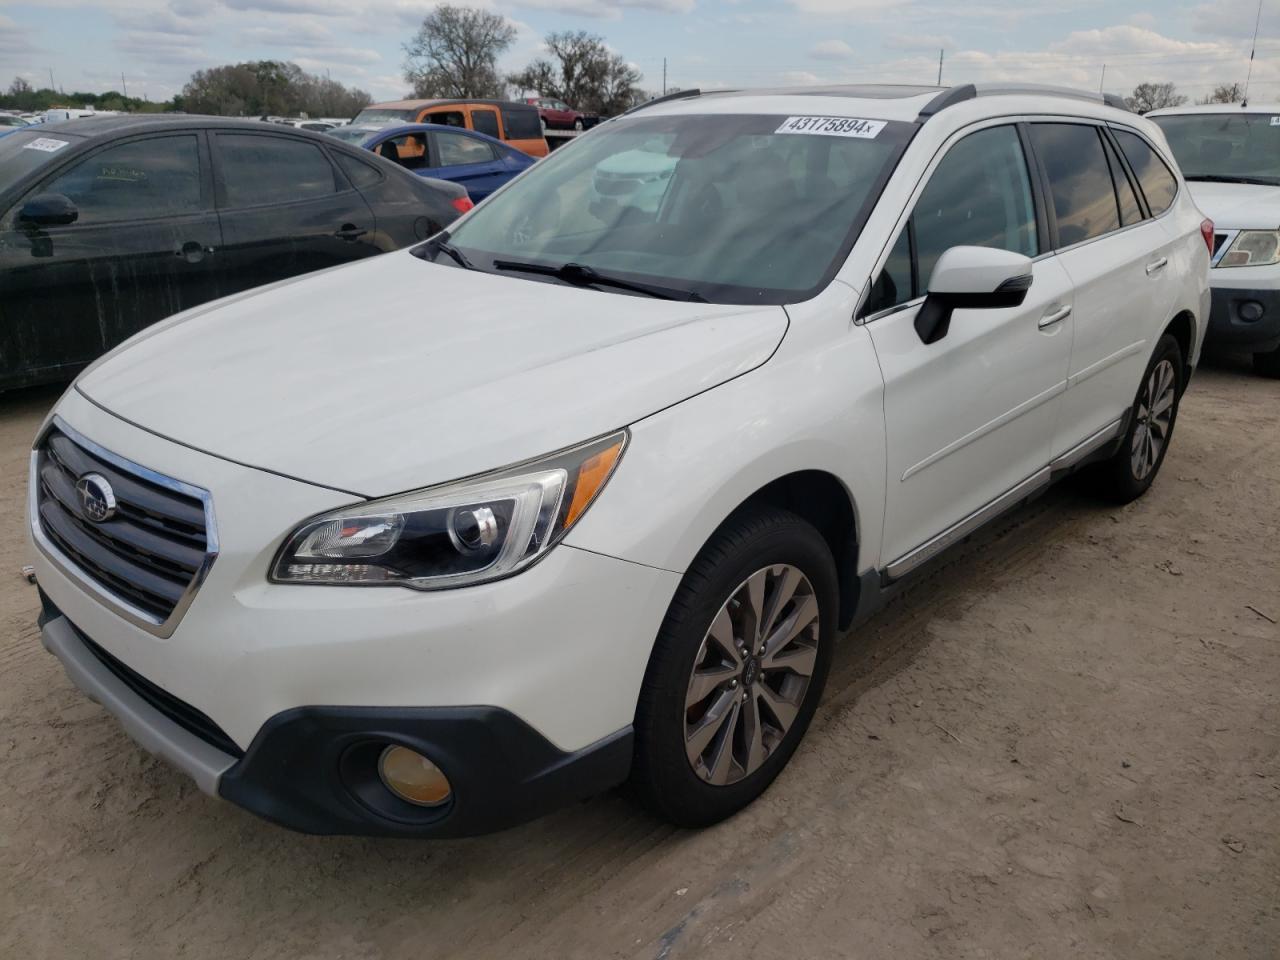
(583, 488)
(108, 225)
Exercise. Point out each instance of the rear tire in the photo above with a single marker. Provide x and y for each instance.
(1267, 364)
(721, 709)
(1133, 468)
(577, 125)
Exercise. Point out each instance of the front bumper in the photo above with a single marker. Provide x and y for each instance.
(1230, 325)
(313, 769)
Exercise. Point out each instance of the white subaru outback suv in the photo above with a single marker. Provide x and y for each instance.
(1230, 157)
(430, 544)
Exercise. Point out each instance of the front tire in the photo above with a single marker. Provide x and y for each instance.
(737, 670)
(1129, 474)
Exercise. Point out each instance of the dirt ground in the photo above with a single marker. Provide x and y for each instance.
(1064, 744)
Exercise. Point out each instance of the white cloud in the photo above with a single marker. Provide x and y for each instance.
(831, 50)
(608, 9)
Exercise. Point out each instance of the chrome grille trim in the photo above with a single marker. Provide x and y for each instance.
(113, 594)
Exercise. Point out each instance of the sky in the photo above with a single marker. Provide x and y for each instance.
(155, 45)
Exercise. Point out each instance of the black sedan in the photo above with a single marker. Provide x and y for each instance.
(108, 225)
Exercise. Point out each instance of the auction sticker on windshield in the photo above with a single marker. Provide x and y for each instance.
(47, 145)
(1275, 121)
(834, 127)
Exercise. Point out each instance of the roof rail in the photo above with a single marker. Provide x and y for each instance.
(678, 95)
(969, 91)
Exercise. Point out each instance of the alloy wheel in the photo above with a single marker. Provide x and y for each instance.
(751, 674)
(1154, 417)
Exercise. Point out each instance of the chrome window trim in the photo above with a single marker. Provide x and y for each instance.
(117, 604)
(1228, 238)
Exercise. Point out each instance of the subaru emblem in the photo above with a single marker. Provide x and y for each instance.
(97, 499)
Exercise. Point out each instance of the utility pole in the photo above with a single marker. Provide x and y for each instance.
(940, 54)
(52, 85)
(664, 76)
(124, 87)
(1103, 82)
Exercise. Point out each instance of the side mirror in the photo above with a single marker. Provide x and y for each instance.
(47, 210)
(972, 278)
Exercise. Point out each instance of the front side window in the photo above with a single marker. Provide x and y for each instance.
(1080, 185)
(730, 208)
(1240, 147)
(448, 118)
(259, 169)
(1158, 184)
(139, 180)
(456, 149)
(979, 196)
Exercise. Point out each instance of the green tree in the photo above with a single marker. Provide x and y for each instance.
(455, 53)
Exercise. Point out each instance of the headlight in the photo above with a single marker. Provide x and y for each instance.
(1253, 248)
(453, 535)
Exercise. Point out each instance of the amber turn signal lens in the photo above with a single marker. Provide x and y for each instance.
(413, 778)
(592, 474)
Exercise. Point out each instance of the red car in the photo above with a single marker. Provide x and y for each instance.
(558, 114)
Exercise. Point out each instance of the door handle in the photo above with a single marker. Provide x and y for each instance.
(1049, 319)
(1157, 266)
(350, 232)
(192, 252)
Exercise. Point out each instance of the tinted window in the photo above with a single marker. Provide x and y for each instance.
(1126, 197)
(258, 169)
(1083, 196)
(486, 121)
(979, 196)
(521, 123)
(1158, 184)
(449, 118)
(358, 172)
(457, 149)
(157, 177)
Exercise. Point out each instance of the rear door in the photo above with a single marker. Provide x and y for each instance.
(1116, 256)
(469, 161)
(285, 209)
(144, 245)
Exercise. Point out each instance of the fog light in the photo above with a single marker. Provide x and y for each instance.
(1251, 311)
(413, 778)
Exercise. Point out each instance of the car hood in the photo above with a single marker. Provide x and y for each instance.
(1238, 206)
(396, 373)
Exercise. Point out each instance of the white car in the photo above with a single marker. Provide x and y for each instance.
(431, 544)
(1230, 156)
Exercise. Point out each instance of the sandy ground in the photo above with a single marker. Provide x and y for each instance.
(1066, 743)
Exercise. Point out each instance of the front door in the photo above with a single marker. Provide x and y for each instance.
(285, 209)
(972, 415)
(144, 245)
(468, 161)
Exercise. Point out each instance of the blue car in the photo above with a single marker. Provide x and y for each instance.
(478, 162)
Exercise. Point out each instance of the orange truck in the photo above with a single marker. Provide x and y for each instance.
(516, 123)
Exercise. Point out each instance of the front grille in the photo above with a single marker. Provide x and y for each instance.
(180, 712)
(149, 554)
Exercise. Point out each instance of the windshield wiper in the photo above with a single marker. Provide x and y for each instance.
(1224, 178)
(440, 244)
(580, 275)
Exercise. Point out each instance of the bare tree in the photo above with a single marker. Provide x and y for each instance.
(584, 73)
(455, 53)
(1225, 93)
(1154, 96)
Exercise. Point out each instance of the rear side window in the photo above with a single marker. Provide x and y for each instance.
(980, 196)
(1159, 185)
(358, 172)
(260, 169)
(1126, 197)
(1080, 186)
(521, 123)
(456, 149)
(486, 122)
(140, 180)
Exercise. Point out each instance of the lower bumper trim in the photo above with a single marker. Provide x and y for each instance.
(1231, 323)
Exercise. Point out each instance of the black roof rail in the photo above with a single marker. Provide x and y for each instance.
(678, 95)
(947, 98)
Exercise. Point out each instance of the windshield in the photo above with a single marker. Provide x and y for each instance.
(352, 134)
(732, 209)
(25, 150)
(374, 117)
(1235, 146)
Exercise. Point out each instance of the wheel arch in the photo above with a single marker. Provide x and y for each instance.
(1183, 329)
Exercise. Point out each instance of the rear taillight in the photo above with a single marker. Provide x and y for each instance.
(1206, 231)
(463, 204)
